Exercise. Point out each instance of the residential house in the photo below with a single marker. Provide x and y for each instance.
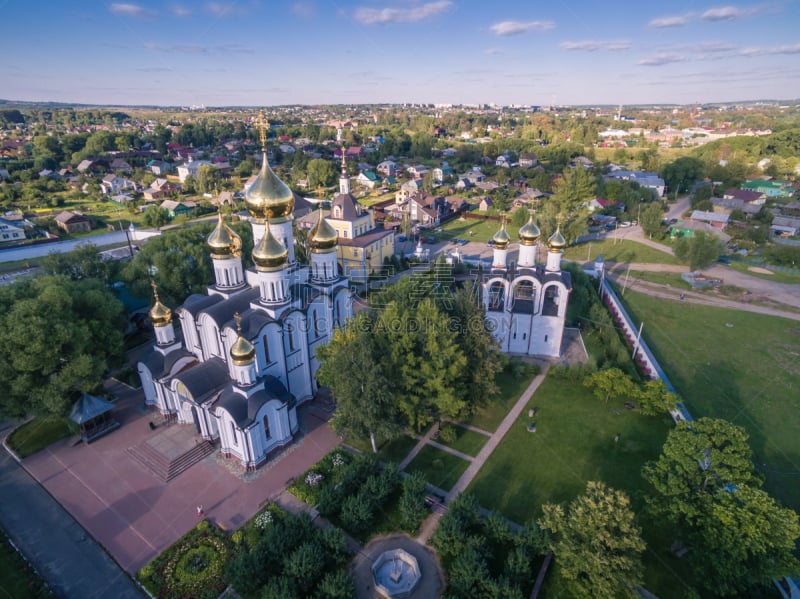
(643, 178)
(175, 208)
(367, 179)
(772, 189)
(122, 199)
(746, 195)
(113, 184)
(159, 168)
(73, 222)
(527, 160)
(387, 168)
(421, 213)
(485, 204)
(159, 189)
(601, 204)
(688, 228)
(120, 166)
(463, 184)
(417, 171)
(785, 225)
(503, 161)
(190, 168)
(726, 205)
(443, 173)
(474, 176)
(581, 161)
(10, 232)
(715, 219)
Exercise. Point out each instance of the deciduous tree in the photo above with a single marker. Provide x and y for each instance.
(698, 251)
(596, 542)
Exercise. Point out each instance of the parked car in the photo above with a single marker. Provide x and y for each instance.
(625, 224)
(402, 238)
(462, 242)
(724, 260)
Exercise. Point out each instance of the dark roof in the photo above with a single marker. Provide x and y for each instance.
(301, 206)
(348, 205)
(159, 365)
(89, 407)
(196, 302)
(364, 240)
(204, 379)
(222, 312)
(243, 410)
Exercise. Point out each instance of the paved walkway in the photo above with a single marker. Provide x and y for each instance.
(134, 514)
(432, 522)
(58, 547)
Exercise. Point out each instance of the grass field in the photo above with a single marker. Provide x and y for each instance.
(776, 276)
(466, 441)
(17, 579)
(663, 278)
(622, 251)
(471, 229)
(394, 450)
(573, 444)
(489, 417)
(36, 435)
(438, 467)
(740, 366)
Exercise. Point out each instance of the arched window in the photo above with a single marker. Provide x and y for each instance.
(290, 335)
(265, 422)
(233, 434)
(265, 341)
(337, 212)
(497, 296)
(524, 297)
(551, 301)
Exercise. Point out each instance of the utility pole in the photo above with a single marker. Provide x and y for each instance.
(638, 337)
(625, 284)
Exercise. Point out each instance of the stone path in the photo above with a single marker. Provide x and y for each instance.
(423, 441)
(432, 522)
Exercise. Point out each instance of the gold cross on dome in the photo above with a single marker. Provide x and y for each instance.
(238, 318)
(262, 124)
(155, 289)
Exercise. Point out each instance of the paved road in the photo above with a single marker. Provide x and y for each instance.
(69, 560)
(39, 251)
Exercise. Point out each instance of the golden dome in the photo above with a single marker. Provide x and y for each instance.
(159, 314)
(269, 197)
(270, 254)
(323, 236)
(557, 243)
(223, 242)
(529, 233)
(242, 352)
(501, 238)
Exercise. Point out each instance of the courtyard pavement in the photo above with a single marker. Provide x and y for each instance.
(134, 514)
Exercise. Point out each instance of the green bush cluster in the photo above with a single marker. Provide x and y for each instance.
(294, 559)
(331, 468)
(483, 557)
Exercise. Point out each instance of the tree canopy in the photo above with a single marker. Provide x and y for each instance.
(699, 251)
(705, 484)
(596, 542)
(57, 338)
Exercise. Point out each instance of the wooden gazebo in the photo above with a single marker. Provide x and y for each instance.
(93, 415)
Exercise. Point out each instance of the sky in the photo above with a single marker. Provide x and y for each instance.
(276, 52)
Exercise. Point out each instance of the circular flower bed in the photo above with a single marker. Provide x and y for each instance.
(195, 570)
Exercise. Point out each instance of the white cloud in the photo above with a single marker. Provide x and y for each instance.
(131, 10)
(303, 9)
(505, 28)
(673, 21)
(662, 59)
(730, 13)
(791, 49)
(594, 46)
(224, 9)
(384, 16)
(181, 11)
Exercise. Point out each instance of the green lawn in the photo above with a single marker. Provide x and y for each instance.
(489, 417)
(573, 444)
(17, 579)
(663, 278)
(748, 373)
(482, 230)
(466, 441)
(36, 435)
(438, 467)
(394, 450)
(622, 251)
(776, 276)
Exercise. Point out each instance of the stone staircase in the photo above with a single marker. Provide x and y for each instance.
(163, 467)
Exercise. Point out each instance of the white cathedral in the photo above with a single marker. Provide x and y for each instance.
(526, 302)
(246, 357)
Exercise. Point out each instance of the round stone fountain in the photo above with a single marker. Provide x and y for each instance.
(396, 573)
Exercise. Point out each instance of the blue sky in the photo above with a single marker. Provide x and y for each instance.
(268, 52)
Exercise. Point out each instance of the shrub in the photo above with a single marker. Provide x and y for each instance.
(447, 433)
